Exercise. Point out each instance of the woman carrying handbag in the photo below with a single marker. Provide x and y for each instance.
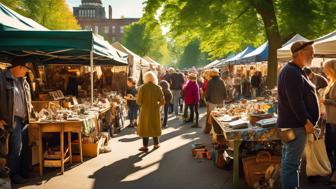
(329, 102)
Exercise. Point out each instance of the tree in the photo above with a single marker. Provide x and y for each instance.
(16, 5)
(53, 14)
(229, 26)
(192, 56)
(147, 39)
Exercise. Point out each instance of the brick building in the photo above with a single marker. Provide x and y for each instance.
(91, 16)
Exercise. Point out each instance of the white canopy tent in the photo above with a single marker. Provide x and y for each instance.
(325, 46)
(212, 64)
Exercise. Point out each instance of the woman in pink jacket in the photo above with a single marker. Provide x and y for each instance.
(191, 93)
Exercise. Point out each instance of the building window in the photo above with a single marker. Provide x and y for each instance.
(96, 29)
(113, 29)
(106, 29)
(121, 29)
(94, 13)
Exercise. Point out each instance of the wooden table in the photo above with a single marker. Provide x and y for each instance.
(36, 129)
(252, 133)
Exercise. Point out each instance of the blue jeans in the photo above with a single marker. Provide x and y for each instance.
(165, 117)
(291, 159)
(18, 160)
(176, 97)
(132, 113)
(330, 142)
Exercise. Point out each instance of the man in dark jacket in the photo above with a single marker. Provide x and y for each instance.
(215, 94)
(15, 99)
(176, 81)
(298, 110)
(256, 84)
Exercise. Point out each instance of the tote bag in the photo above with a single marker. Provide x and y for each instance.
(317, 159)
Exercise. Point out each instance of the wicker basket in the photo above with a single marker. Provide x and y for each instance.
(255, 166)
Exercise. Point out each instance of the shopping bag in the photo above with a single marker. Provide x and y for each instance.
(317, 158)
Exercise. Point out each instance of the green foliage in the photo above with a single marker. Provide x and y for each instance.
(192, 56)
(225, 26)
(221, 27)
(53, 14)
(230, 25)
(14, 4)
(145, 38)
(311, 18)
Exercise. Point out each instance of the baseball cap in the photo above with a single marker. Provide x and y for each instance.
(299, 45)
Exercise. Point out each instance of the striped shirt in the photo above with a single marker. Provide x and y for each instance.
(20, 108)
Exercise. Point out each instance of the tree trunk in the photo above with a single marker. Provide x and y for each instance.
(266, 10)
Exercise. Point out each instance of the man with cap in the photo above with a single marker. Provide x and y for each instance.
(215, 94)
(298, 111)
(15, 100)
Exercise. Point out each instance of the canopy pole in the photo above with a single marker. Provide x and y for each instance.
(91, 65)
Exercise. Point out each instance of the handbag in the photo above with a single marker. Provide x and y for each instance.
(318, 163)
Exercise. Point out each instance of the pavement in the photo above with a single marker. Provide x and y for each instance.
(170, 166)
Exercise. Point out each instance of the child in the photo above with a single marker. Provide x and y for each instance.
(131, 98)
(168, 98)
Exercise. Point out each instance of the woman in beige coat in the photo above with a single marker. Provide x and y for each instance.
(150, 99)
(330, 105)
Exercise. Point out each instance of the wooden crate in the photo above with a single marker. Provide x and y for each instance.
(92, 149)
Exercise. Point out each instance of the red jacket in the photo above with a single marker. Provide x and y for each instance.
(191, 93)
(204, 86)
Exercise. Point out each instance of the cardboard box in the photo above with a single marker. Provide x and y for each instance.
(92, 149)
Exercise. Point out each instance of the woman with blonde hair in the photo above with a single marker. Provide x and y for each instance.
(150, 99)
(329, 102)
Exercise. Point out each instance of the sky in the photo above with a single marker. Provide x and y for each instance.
(126, 8)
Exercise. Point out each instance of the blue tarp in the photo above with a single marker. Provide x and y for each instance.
(258, 55)
(222, 62)
(239, 55)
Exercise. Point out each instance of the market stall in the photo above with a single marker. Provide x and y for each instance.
(245, 121)
(137, 65)
(22, 37)
(325, 46)
(234, 59)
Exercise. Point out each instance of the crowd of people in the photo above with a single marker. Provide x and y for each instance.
(304, 99)
(299, 104)
(183, 94)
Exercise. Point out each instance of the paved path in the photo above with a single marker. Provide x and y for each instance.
(170, 167)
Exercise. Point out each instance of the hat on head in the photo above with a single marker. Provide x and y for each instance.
(192, 76)
(215, 70)
(299, 45)
(20, 61)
